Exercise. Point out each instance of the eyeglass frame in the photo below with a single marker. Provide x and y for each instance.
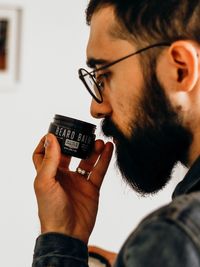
(91, 74)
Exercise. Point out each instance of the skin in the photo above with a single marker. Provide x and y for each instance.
(68, 203)
(180, 81)
(110, 256)
(102, 45)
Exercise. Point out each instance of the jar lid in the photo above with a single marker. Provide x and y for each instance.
(71, 122)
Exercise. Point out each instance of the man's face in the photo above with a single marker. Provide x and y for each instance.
(158, 141)
(147, 132)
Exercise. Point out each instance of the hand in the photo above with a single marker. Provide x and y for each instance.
(67, 201)
(108, 255)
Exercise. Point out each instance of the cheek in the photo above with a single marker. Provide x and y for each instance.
(124, 107)
(125, 93)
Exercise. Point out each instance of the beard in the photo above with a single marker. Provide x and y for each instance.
(158, 141)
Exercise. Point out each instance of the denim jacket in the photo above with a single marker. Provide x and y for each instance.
(168, 237)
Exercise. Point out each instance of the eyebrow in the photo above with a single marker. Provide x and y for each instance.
(93, 62)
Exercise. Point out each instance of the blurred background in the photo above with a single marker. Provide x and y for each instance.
(52, 48)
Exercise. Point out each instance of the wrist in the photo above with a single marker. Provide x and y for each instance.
(63, 231)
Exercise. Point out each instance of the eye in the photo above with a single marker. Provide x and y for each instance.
(101, 79)
(100, 84)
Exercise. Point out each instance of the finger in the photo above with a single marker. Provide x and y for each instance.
(51, 158)
(88, 164)
(101, 166)
(64, 162)
(38, 153)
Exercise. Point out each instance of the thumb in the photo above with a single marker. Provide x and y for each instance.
(52, 156)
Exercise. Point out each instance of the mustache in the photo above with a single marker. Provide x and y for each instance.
(110, 129)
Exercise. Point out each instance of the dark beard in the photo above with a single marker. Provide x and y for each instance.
(157, 143)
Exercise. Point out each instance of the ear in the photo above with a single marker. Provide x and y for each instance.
(184, 61)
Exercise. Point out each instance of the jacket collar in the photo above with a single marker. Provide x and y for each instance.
(191, 181)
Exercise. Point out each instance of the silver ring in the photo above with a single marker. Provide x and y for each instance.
(83, 172)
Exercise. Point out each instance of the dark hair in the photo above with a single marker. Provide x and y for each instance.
(154, 20)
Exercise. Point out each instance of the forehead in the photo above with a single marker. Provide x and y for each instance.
(104, 36)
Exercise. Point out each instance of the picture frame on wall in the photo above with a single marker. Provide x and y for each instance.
(10, 24)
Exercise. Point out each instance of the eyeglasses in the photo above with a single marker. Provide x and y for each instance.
(94, 85)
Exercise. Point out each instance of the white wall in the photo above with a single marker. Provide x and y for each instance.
(54, 37)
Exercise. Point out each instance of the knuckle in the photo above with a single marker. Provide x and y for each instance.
(38, 184)
(34, 158)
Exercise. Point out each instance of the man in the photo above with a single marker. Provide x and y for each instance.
(145, 85)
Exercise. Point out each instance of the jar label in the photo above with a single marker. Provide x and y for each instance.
(71, 144)
(72, 141)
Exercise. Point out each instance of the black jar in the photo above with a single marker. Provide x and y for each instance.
(75, 137)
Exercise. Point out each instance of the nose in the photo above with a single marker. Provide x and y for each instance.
(101, 110)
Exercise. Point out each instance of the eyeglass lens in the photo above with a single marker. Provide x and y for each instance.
(91, 84)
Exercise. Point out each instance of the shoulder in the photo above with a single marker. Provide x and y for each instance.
(180, 210)
(168, 234)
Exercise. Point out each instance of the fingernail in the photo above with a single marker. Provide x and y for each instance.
(46, 142)
(109, 146)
